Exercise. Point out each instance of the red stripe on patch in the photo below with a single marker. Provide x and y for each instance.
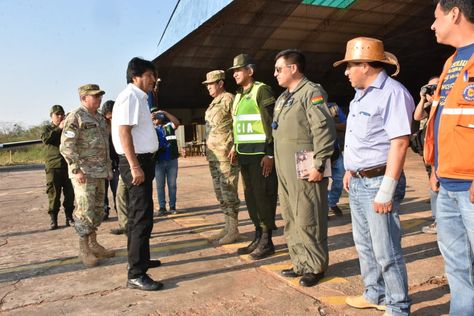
(317, 100)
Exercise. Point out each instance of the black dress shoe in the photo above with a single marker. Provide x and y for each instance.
(337, 211)
(311, 279)
(118, 231)
(290, 273)
(154, 264)
(144, 283)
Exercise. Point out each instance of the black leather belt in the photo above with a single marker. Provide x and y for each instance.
(370, 173)
(145, 156)
(141, 156)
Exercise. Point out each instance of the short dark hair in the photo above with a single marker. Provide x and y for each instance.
(465, 6)
(137, 67)
(107, 107)
(294, 56)
(377, 64)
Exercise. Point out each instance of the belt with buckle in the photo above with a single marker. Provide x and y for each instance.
(140, 156)
(370, 173)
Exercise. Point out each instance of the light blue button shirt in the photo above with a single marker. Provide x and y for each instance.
(377, 114)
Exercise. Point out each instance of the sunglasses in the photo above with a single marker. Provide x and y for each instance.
(280, 69)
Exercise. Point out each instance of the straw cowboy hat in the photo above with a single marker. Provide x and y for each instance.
(366, 49)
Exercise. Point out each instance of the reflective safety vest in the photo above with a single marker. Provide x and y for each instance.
(456, 126)
(248, 126)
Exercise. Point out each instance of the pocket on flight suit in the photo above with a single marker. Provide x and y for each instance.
(305, 214)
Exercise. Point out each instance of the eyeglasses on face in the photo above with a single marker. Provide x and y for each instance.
(280, 69)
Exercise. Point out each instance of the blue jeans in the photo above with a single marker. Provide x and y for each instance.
(338, 171)
(455, 220)
(377, 239)
(433, 198)
(166, 171)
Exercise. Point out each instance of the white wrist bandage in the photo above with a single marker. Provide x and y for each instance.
(386, 190)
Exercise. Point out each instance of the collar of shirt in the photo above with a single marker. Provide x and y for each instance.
(376, 84)
(138, 92)
(95, 116)
(217, 99)
(246, 91)
(300, 85)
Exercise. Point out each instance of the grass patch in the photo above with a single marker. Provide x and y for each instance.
(32, 154)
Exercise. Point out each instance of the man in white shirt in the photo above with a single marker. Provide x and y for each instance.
(135, 140)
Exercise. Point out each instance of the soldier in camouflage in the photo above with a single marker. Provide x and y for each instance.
(220, 139)
(85, 146)
(56, 169)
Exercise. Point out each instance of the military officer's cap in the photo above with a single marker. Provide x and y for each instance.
(214, 76)
(56, 109)
(241, 60)
(90, 89)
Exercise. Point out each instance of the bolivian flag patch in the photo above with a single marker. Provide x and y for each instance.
(317, 100)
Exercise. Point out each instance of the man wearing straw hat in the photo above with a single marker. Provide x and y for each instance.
(377, 137)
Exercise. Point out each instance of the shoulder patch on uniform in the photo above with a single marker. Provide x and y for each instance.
(317, 100)
(468, 93)
(69, 134)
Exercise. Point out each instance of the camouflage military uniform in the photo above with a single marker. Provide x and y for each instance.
(220, 140)
(85, 145)
(56, 173)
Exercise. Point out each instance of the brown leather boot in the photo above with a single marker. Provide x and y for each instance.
(99, 251)
(85, 254)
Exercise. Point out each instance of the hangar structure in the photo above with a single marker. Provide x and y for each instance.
(204, 35)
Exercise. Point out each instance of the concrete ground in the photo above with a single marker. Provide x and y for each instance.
(41, 275)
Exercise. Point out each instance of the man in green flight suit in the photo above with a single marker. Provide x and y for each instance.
(57, 178)
(302, 122)
(253, 111)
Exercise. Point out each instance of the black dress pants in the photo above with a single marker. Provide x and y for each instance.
(140, 214)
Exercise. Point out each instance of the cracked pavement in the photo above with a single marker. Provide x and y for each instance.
(41, 275)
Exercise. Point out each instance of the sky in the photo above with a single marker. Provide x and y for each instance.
(51, 47)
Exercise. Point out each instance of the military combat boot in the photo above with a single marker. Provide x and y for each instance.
(221, 233)
(54, 221)
(69, 218)
(251, 247)
(232, 231)
(265, 247)
(70, 222)
(99, 251)
(85, 253)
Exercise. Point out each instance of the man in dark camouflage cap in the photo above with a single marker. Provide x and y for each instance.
(56, 169)
(219, 141)
(85, 146)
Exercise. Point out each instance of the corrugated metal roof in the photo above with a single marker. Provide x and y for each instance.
(264, 27)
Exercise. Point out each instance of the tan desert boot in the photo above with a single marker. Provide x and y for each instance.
(99, 251)
(85, 254)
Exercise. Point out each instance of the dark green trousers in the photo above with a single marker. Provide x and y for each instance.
(260, 194)
(57, 180)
